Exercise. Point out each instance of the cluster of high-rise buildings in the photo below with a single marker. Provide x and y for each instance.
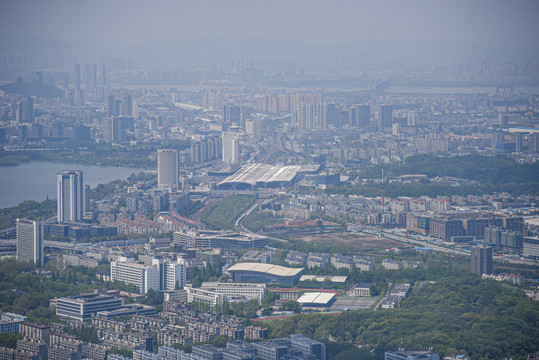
(73, 200)
(312, 111)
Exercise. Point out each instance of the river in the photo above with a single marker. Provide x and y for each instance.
(37, 179)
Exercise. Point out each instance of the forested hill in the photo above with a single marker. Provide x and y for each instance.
(485, 169)
(458, 315)
(32, 89)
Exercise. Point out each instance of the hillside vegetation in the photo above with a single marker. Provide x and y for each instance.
(458, 315)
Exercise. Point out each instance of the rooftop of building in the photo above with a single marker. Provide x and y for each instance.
(262, 173)
(334, 279)
(320, 298)
(269, 269)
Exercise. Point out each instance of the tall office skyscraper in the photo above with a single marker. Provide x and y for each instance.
(70, 196)
(481, 259)
(385, 118)
(30, 241)
(167, 169)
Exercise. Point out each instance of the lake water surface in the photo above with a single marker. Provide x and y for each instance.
(37, 179)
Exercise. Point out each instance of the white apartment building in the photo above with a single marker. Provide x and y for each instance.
(144, 276)
(175, 273)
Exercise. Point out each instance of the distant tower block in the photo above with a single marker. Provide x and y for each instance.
(385, 119)
(167, 169)
(503, 120)
(232, 114)
(363, 113)
(396, 129)
(412, 119)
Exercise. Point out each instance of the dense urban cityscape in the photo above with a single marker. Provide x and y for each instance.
(267, 199)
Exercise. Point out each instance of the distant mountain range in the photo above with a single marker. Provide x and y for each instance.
(214, 49)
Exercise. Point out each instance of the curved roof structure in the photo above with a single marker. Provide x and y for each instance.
(275, 270)
(262, 175)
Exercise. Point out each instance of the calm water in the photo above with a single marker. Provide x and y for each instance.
(37, 179)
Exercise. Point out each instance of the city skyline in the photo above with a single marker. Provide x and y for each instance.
(345, 167)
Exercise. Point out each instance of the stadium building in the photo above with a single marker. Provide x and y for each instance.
(265, 273)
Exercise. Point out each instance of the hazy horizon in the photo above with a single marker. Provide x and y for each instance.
(499, 23)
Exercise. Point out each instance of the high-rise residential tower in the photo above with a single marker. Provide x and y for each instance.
(70, 196)
(167, 169)
(364, 115)
(385, 118)
(231, 148)
(481, 259)
(30, 241)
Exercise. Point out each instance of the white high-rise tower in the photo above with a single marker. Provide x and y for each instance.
(231, 147)
(70, 196)
(167, 169)
(30, 241)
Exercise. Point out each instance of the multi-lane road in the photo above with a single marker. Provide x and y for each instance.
(431, 246)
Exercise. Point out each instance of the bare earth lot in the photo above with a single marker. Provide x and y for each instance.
(356, 241)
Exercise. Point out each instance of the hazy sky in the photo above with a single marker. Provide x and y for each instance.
(504, 23)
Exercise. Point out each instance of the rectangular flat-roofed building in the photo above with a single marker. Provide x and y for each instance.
(86, 306)
(9, 322)
(144, 276)
(233, 291)
(317, 299)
